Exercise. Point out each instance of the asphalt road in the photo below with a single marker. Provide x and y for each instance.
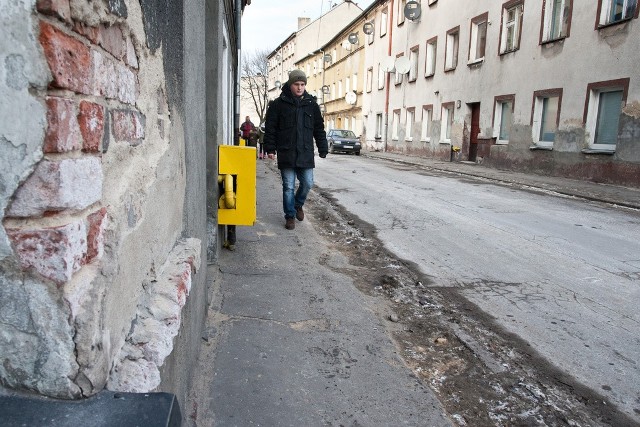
(563, 274)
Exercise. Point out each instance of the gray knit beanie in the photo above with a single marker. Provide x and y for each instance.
(297, 76)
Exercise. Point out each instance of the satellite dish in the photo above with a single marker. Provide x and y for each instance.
(412, 10)
(368, 28)
(387, 64)
(353, 38)
(278, 84)
(325, 89)
(351, 98)
(327, 58)
(403, 65)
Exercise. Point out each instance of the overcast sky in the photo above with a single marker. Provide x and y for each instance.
(267, 23)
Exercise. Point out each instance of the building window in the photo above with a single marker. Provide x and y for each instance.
(401, 6)
(333, 91)
(383, 21)
(334, 56)
(430, 61)
(340, 89)
(369, 79)
(347, 85)
(425, 131)
(447, 121)
(395, 125)
(413, 64)
(478, 39)
(398, 74)
(451, 49)
(354, 82)
(411, 116)
(546, 116)
(511, 26)
(502, 117)
(381, 77)
(614, 11)
(603, 108)
(379, 125)
(556, 19)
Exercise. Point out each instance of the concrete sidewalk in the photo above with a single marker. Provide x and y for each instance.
(293, 343)
(614, 194)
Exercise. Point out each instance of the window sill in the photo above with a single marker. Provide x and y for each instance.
(448, 70)
(541, 147)
(502, 142)
(428, 76)
(608, 151)
(611, 24)
(408, 139)
(445, 142)
(551, 41)
(425, 140)
(395, 138)
(475, 61)
(509, 51)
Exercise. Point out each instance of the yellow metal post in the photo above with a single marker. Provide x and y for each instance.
(240, 163)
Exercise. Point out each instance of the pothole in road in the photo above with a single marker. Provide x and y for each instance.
(483, 375)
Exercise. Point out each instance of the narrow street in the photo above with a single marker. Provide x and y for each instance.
(553, 278)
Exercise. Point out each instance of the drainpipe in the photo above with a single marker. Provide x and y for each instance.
(236, 120)
(386, 100)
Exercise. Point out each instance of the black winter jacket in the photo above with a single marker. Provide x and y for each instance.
(290, 128)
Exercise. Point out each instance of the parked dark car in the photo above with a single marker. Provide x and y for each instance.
(343, 140)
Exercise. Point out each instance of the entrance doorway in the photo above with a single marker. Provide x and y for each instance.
(474, 131)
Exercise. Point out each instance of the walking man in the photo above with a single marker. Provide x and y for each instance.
(293, 122)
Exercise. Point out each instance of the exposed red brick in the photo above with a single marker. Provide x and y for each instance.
(55, 253)
(113, 79)
(68, 58)
(91, 121)
(63, 133)
(92, 33)
(128, 126)
(112, 40)
(58, 8)
(95, 234)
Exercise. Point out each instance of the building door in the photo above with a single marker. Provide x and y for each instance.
(474, 131)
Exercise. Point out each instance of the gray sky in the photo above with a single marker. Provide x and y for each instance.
(266, 23)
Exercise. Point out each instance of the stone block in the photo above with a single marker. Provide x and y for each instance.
(69, 59)
(55, 253)
(112, 79)
(111, 38)
(58, 185)
(63, 132)
(128, 126)
(95, 234)
(91, 120)
(57, 8)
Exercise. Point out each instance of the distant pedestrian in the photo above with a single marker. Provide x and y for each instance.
(247, 130)
(292, 123)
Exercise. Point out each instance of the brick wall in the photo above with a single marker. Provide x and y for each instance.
(97, 209)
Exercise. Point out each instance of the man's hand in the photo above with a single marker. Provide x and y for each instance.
(271, 156)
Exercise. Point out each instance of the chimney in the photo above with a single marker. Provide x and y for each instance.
(302, 22)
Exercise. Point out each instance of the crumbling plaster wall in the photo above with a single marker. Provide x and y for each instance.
(93, 197)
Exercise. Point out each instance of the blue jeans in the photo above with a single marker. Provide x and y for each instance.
(291, 200)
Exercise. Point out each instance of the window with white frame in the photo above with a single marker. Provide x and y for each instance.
(430, 61)
(447, 121)
(425, 130)
(333, 91)
(410, 119)
(369, 79)
(347, 85)
(400, 11)
(383, 21)
(413, 64)
(354, 82)
(451, 49)
(546, 116)
(612, 11)
(334, 56)
(353, 124)
(398, 74)
(503, 117)
(381, 76)
(395, 126)
(379, 125)
(511, 26)
(478, 40)
(555, 21)
(604, 106)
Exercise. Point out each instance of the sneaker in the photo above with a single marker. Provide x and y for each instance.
(290, 224)
(299, 213)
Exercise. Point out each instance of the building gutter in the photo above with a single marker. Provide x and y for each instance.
(388, 82)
